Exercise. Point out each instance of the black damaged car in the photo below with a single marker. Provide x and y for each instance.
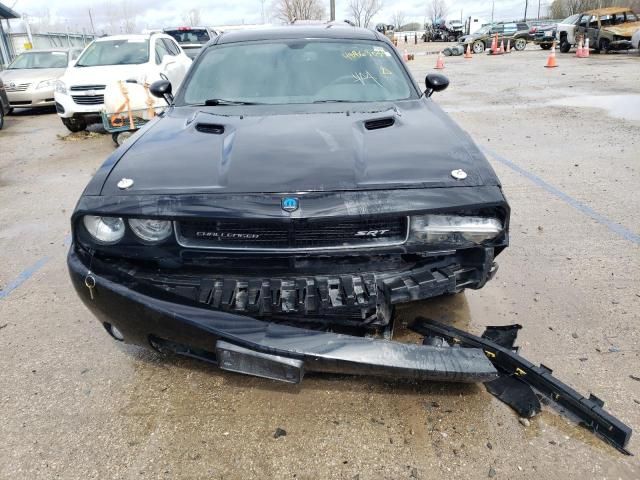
(299, 185)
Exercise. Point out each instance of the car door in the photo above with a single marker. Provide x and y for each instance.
(593, 31)
(496, 29)
(166, 63)
(581, 28)
(509, 31)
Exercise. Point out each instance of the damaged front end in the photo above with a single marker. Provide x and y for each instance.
(340, 261)
(342, 258)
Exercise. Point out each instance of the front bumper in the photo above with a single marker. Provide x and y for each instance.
(67, 108)
(249, 345)
(31, 98)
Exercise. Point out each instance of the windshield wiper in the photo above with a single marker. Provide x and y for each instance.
(333, 101)
(212, 102)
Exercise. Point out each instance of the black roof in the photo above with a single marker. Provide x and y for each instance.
(330, 30)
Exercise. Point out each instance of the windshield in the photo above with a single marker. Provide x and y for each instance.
(115, 52)
(571, 20)
(298, 71)
(189, 35)
(39, 60)
(484, 30)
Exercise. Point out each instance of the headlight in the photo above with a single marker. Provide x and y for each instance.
(151, 230)
(61, 87)
(105, 230)
(454, 230)
(47, 84)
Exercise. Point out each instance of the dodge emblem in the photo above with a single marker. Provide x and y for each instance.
(290, 204)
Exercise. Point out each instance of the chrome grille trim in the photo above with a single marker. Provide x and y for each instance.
(88, 99)
(187, 243)
(17, 88)
(82, 88)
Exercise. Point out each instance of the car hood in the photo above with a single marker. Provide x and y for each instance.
(624, 29)
(30, 75)
(329, 149)
(470, 38)
(106, 74)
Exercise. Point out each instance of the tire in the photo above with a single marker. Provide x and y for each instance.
(75, 124)
(520, 44)
(603, 45)
(1, 118)
(10, 111)
(120, 137)
(477, 46)
(565, 46)
(447, 52)
(545, 46)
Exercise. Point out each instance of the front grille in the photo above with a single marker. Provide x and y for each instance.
(84, 88)
(292, 234)
(88, 99)
(17, 88)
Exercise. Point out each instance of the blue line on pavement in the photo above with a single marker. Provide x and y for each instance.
(23, 277)
(581, 207)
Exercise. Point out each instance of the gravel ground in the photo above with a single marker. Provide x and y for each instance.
(76, 405)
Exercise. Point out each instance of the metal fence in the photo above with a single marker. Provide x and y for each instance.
(16, 43)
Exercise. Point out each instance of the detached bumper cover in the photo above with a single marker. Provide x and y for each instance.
(141, 318)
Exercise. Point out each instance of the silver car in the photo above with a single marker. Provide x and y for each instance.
(30, 79)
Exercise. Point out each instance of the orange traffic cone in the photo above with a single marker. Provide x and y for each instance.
(579, 52)
(440, 62)
(494, 44)
(502, 46)
(467, 54)
(551, 60)
(585, 49)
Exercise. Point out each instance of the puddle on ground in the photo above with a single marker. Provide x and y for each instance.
(626, 107)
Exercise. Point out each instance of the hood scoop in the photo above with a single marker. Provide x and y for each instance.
(379, 123)
(212, 128)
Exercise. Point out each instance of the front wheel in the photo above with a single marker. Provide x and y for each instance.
(478, 46)
(565, 46)
(75, 124)
(520, 44)
(603, 45)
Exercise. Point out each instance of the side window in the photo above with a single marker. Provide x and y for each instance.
(171, 47)
(584, 21)
(161, 50)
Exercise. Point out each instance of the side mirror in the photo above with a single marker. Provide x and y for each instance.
(435, 83)
(162, 89)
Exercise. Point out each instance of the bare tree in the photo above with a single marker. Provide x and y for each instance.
(438, 9)
(363, 11)
(290, 10)
(192, 17)
(398, 19)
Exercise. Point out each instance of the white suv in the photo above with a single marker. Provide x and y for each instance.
(144, 58)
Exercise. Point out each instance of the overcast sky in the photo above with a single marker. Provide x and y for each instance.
(160, 13)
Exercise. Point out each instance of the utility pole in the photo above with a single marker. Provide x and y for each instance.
(333, 10)
(493, 5)
(538, 9)
(526, 4)
(93, 30)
